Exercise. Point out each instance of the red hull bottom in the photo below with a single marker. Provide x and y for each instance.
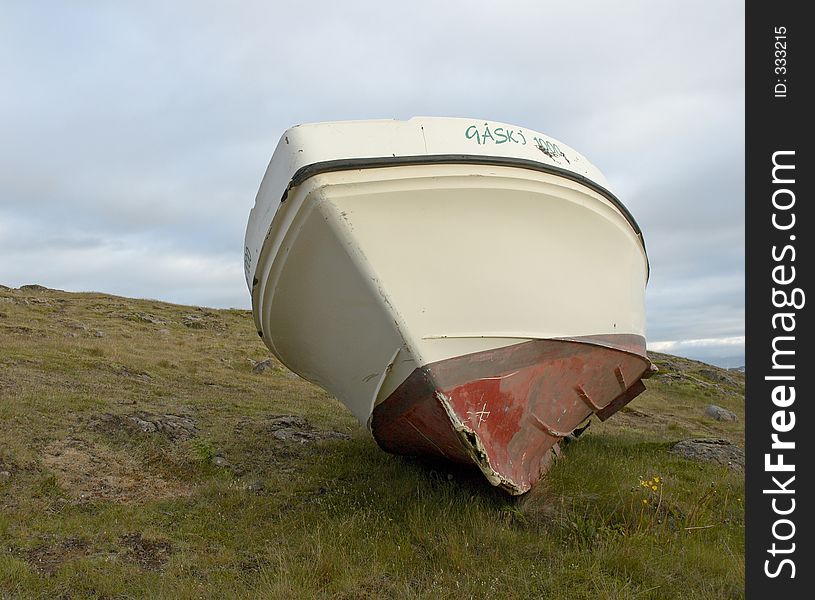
(505, 410)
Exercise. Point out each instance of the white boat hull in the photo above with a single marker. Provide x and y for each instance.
(366, 276)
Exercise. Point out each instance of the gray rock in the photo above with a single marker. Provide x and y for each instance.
(193, 322)
(291, 429)
(164, 331)
(175, 427)
(720, 414)
(671, 378)
(718, 376)
(99, 333)
(5, 475)
(711, 450)
(262, 365)
(220, 461)
(148, 318)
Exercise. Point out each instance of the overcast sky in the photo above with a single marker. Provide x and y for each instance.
(133, 136)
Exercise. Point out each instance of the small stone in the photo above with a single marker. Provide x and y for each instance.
(5, 475)
(720, 414)
(220, 461)
(163, 331)
(99, 333)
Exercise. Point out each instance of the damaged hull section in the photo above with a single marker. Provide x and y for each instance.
(505, 410)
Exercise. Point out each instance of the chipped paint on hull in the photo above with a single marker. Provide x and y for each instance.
(472, 444)
(505, 410)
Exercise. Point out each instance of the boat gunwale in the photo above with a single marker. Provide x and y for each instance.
(347, 164)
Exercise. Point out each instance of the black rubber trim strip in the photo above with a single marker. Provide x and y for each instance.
(347, 164)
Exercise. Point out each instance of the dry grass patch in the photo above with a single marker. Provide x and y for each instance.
(93, 472)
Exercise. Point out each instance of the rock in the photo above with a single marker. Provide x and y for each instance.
(718, 376)
(175, 427)
(163, 331)
(192, 321)
(99, 333)
(671, 377)
(711, 450)
(220, 461)
(203, 319)
(720, 414)
(148, 318)
(291, 429)
(262, 365)
(5, 475)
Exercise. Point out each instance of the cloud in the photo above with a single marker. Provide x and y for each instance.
(136, 135)
(726, 352)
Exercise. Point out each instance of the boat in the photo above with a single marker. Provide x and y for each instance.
(468, 289)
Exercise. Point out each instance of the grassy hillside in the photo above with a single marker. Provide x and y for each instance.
(143, 453)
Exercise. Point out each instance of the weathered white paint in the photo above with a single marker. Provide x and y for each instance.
(311, 143)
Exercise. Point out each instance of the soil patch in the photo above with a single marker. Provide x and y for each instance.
(48, 558)
(149, 554)
(88, 472)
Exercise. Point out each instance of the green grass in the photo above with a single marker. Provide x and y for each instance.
(93, 508)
